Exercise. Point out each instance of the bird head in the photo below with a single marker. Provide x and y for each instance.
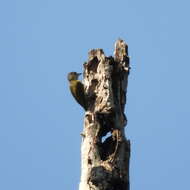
(73, 76)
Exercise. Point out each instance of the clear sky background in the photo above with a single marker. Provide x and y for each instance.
(40, 123)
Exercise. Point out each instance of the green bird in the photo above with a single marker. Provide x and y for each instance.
(77, 88)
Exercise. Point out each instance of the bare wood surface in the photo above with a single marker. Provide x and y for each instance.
(105, 151)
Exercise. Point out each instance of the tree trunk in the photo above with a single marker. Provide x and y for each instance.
(105, 149)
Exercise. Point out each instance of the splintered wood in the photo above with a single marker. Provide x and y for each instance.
(105, 149)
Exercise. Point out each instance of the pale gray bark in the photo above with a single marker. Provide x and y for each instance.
(105, 163)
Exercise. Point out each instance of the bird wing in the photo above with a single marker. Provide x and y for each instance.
(77, 91)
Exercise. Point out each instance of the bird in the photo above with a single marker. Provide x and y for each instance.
(77, 89)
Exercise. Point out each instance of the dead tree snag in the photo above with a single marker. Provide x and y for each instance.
(105, 149)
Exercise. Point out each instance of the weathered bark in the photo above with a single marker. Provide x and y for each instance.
(105, 160)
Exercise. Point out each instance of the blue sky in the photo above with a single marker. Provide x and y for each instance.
(40, 123)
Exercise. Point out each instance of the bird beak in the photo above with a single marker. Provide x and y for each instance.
(79, 74)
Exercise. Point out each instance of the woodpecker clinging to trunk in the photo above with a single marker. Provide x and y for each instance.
(77, 88)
